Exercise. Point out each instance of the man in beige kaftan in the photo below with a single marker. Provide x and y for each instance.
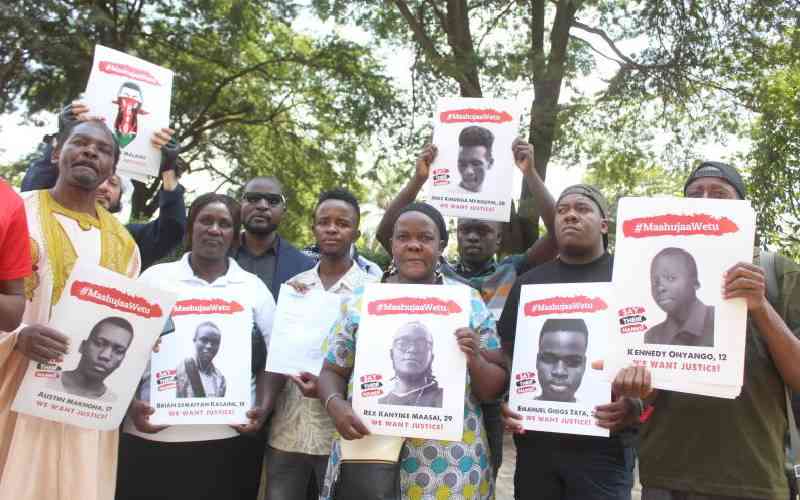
(41, 459)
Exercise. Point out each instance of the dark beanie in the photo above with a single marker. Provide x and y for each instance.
(431, 212)
(719, 170)
(593, 194)
(590, 192)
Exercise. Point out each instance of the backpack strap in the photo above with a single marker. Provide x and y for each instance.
(767, 261)
(194, 378)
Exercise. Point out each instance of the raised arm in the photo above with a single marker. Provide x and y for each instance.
(160, 236)
(406, 195)
(544, 248)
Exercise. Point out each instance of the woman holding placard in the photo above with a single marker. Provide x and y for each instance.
(201, 460)
(428, 468)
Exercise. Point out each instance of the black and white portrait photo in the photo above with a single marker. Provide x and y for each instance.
(674, 284)
(412, 359)
(102, 352)
(474, 156)
(561, 360)
(196, 376)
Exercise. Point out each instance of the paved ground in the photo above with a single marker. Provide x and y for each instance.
(505, 480)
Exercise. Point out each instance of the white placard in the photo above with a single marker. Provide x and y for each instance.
(133, 97)
(560, 331)
(112, 323)
(302, 322)
(669, 261)
(409, 376)
(201, 374)
(473, 171)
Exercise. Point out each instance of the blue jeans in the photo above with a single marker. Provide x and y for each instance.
(574, 472)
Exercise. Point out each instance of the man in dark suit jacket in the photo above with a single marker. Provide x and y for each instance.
(262, 251)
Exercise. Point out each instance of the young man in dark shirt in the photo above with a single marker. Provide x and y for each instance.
(553, 466)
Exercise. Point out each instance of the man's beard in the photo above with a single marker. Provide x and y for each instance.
(260, 230)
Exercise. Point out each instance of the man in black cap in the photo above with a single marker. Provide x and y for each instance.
(696, 447)
(562, 466)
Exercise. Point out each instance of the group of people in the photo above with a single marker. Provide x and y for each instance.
(689, 447)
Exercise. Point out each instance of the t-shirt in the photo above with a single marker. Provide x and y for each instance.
(727, 447)
(558, 271)
(15, 249)
(494, 281)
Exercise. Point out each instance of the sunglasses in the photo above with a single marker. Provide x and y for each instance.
(405, 345)
(273, 200)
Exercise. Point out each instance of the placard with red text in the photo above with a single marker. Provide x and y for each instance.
(112, 323)
(133, 98)
(202, 372)
(473, 171)
(669, 261)
(561, 329)
(409, 376)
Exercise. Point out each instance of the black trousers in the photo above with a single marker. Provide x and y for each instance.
(223, 469)
(574, 472)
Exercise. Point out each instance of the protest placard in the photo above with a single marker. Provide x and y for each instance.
(133, 98)
(302, 322)
(670, 257)
(112, 323)
(201, 374)
(473, 171)
(559, 332)
(409, 376)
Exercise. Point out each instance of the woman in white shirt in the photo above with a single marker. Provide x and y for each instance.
(200, 461)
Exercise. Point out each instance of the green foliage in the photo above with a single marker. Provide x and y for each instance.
(251, 96)
(775, 158)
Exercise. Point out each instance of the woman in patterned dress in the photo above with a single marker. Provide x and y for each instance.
(429, 469)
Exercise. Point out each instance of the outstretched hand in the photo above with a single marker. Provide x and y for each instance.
(257, 416)
(523, 155)
(424, 161)
(746, 281)
(140, 412)
(630, 382)
(346, 421)
(512, 421)
(42, 344)
(307, 383)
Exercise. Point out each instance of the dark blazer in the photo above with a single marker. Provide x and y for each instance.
(290, 263)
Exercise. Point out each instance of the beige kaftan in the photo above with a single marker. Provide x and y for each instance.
(41, 459)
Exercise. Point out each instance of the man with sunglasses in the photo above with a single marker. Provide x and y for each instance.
(274, 260)
(262, 251)
(412, 359)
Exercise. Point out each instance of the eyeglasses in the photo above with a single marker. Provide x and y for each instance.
(418, 344)
(273, 200)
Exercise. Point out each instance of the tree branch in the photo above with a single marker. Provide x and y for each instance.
(418, 30)
(613, 46)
